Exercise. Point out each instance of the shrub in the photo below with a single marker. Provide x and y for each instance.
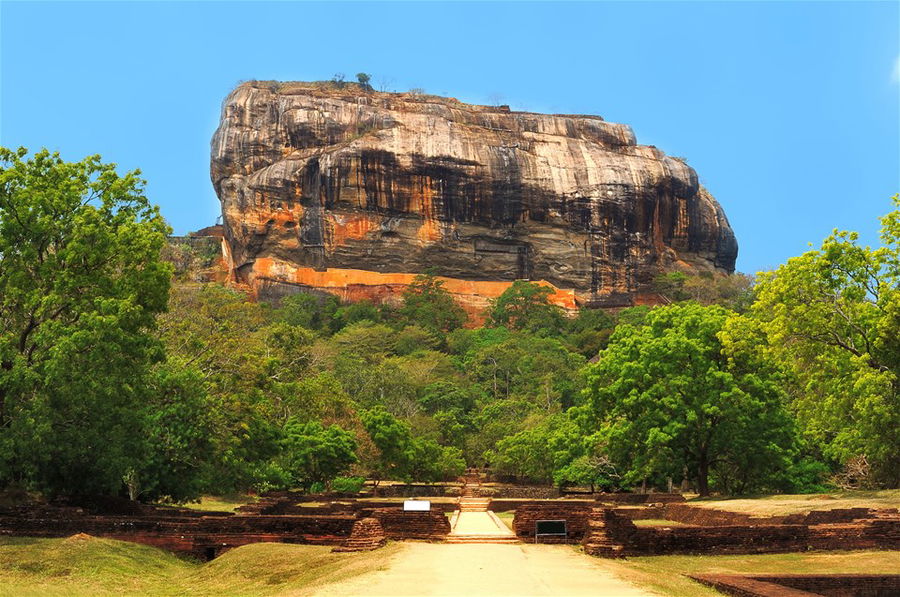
(348, 484)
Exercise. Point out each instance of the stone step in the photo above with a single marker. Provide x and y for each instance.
(482, 539)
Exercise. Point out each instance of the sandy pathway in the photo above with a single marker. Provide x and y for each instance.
(480, 569)
(479, 523)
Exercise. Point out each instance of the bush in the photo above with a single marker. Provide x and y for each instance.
(348, 484)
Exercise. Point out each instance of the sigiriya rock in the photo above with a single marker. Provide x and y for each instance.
(354, 192)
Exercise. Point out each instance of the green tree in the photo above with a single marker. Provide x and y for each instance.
(588, 471)
(307, 310)
(427, 461)
(392, 439)
(539, 369)
(247, 376)
(526, 306)
(178, 436)
(670, 286)
(81, 282)
(734, 291)
(361, 312)
(538, 452)
(833, 317)
(665, 395)
(314, 453)
(364, 79)
(426, 303)
(414, 338)
(589, 332)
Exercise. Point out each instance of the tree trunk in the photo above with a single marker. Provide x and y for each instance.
(703, 475)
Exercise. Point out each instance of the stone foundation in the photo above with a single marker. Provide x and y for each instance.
(575, 514)
(367, 534)
(612, 533)
(399, 524)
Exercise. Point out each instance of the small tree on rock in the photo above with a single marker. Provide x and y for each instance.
(364, 79)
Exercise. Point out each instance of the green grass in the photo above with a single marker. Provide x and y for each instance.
(665, 574)
(87, 566)
(656, 522)
(82, 565)
(507, 518)
(220, 503)
(778, 505)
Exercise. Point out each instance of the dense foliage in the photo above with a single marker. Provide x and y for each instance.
(116, 377)
(666, 397)
(81, 283)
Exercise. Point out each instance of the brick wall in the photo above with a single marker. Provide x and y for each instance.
(507, 505)
(694, 515)
(610, 534)
(804, 585)
(399, 524)
(201, 536)
(367, 534)
(575, 514)
(372, 505)
(639, 498)
(417, 490)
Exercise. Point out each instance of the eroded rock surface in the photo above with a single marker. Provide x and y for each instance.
(355, 192)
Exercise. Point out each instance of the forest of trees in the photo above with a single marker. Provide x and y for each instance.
(119, 377)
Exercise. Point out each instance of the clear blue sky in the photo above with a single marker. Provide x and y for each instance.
(789, 111)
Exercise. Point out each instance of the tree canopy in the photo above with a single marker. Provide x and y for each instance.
(526, 306)
(81, 282)
(117, 379)
(665, 395)
(832, 316)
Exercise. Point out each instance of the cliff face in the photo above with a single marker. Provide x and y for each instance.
(354, 193)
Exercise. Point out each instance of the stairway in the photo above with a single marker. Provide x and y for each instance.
(478, 525)
(474, 504)
(472, 538)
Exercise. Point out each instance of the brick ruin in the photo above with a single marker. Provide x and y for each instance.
(803, 585)
(205, 535)
(367, 534)
(610, 531)
(604, 526)
(576, 516)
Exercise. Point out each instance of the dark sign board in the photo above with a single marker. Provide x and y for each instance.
(550, 527)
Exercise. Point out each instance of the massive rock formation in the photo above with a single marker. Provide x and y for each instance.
(354, 192)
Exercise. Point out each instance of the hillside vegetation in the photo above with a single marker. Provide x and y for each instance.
(118, 378)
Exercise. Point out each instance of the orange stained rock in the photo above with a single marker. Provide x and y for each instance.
(349, 227)
(356, 284)
(430, 230)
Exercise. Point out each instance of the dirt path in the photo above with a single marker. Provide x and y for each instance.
(497, 570)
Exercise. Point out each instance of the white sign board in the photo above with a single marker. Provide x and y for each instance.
(416, 505)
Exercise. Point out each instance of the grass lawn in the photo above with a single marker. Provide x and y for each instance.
(777, 505)
(507, 518)
(220, 503)
(86, 566)
(665, 574)
(656, 522)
